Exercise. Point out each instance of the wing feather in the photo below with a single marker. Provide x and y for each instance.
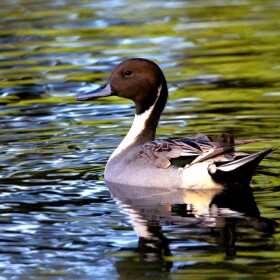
(189, 151)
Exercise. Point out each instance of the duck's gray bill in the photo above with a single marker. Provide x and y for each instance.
(102, 91)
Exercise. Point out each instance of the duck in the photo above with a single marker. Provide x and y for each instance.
(195, 162)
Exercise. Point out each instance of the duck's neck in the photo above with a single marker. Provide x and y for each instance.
(143, 128)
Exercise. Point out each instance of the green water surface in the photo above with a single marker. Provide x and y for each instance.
(58, 218)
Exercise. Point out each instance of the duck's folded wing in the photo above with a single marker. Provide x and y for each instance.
(188, 151)
(163, 153)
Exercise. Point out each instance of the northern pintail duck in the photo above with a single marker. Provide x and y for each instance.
(140, 160)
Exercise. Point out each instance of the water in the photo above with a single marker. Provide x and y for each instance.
(58, 218)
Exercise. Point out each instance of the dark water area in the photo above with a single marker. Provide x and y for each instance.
(59, 220)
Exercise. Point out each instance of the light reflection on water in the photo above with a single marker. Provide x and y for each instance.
(58, 219)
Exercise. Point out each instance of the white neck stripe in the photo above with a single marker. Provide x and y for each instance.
(137, 127)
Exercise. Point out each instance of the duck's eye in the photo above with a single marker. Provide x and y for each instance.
(127, 73)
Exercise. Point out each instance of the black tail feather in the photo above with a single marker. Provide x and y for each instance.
(240, 170)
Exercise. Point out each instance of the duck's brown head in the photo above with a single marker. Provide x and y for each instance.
(137, 79)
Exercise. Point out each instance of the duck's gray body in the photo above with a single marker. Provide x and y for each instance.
(162, 163)
(139, 160)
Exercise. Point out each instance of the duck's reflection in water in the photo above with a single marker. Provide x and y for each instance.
(202, 215)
